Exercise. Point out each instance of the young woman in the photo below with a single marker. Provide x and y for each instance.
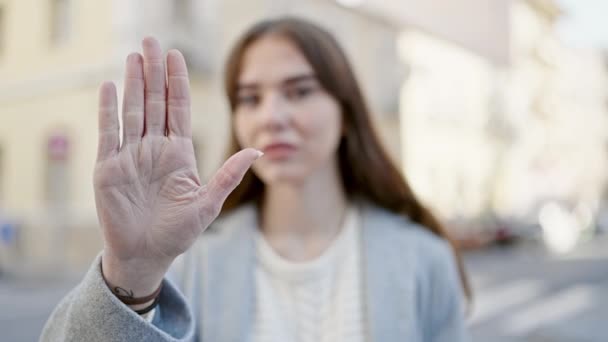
(323, 240)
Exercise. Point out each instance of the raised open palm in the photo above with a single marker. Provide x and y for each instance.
(150, 201)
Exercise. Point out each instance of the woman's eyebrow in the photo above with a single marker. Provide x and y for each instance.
(247, 86)
(286, 82)
(299, 78)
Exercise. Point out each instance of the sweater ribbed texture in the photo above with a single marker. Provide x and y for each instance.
(314, 301)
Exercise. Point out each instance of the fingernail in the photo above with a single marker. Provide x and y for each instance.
(260, 153)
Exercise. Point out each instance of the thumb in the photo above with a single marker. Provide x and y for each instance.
(230, 175)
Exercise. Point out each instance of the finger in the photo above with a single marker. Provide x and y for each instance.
(155, 87)
(230, 175)
(108, 122)
(133, 102)
(178, 97)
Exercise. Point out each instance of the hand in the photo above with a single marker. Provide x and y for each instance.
(150, 202)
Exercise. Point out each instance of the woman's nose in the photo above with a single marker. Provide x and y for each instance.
(274, 111)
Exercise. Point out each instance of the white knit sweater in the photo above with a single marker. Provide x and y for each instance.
(314, 301)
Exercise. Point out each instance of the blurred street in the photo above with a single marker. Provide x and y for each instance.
(27, 303)
(522, 294)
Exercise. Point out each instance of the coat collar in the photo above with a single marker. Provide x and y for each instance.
(387, 275)
(228, 287)
(228, 279)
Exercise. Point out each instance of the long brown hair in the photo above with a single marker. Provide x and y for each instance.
(366, 170)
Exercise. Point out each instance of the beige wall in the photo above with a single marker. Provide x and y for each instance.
(28, 53)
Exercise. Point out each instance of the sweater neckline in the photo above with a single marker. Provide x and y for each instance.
(317, 268)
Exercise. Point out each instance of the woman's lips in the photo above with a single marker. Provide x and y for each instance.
(278, 151)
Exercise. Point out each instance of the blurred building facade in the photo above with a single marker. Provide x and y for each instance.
(488, 145)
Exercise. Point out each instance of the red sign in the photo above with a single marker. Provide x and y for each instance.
(58, 147)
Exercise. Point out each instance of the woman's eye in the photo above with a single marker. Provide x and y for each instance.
(301, 92)
(247, 100)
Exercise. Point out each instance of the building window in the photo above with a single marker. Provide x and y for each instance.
(61, 21)
(2, 180)
(182, 10)
(2, 30)
(57, 178)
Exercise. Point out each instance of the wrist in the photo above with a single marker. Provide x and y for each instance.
(135, 279)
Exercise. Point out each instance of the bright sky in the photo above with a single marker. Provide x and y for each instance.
(585, 23)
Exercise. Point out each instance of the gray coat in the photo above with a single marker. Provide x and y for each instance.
(411, 287)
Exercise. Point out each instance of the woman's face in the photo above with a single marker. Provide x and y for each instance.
(283, 111)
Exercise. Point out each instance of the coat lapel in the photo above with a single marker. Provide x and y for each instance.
(227, 278)
(387, 282)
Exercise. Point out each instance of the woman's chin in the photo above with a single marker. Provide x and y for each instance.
(281, 177)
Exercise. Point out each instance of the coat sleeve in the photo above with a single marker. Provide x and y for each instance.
(90, 312)
(444, 305)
